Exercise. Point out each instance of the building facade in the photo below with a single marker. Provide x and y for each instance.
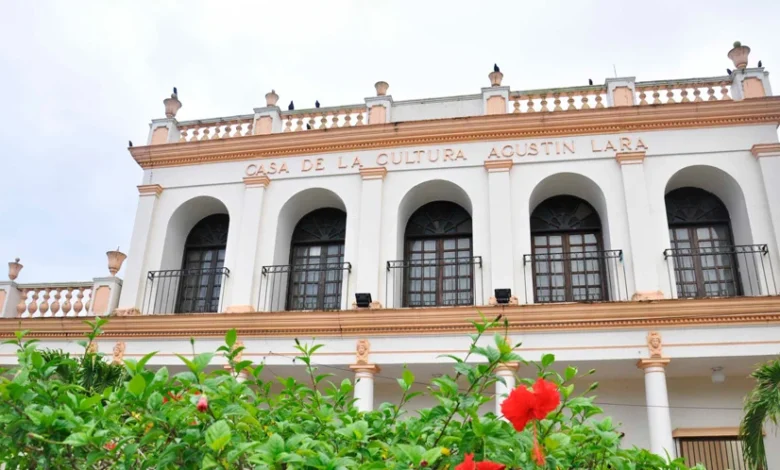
(631, 227)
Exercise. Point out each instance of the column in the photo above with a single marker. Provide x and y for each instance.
(506, 372)
(364, 385)
(367, 268)
(135, 276)
(658, 418)
(644, 258)
(9, 299)
(379, 106)
(249, 230)
(621, 91)
(501, 239)
(105, 295)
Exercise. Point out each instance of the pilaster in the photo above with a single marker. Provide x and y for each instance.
(768, 156)
(495, 100)
(163, 131)
(750, 83)
(500, 213)
(9, 299)
(132, 292)
(249, 229)
(268, 120)
(369, 232)
(379, 109)
(644, 261)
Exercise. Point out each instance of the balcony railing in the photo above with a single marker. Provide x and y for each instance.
(184, 291)
(721, 271)
(304, 287)
(589, 276)
(434, 282)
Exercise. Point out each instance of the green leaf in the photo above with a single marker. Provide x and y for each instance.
(77, 439)
(140, 365)
(37, 359)
(218, 435)
(155, 401)
(137, 385)
(432, 455)
(208, 462)
(88, 403)
(571, 371)
(201, 361)
(556, 440)
(548, 359)
(408, 377)
(275, 445)
(230, 337)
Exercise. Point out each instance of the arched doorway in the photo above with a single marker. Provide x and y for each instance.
(203, 265)
(702, 243)
(438, 256)
(567, 244)
(317, 261)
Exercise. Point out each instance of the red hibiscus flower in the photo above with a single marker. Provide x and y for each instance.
(469, 464)
(523, 405)
(109, 446)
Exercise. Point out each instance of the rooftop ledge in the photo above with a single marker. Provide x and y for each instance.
(740, 84)
(424, 321)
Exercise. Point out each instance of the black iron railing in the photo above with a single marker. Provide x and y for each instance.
(304, 287)
(184, 291)
(715, 453)
(721, 271)
(434, 282)
(587, 276)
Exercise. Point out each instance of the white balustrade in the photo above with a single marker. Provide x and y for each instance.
(555, 100)
(215, 129)
(324, 118)
(55, 300)
(687, 91)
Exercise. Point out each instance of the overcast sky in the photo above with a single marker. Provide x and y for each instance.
(79, 79)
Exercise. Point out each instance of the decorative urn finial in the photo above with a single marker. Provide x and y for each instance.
(271, 98)
(172, 104)
(381, 88)
(495, 76)
(13, 269)
(115, 260)
(739, 55)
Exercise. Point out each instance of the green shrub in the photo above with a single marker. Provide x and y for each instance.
(145, 418)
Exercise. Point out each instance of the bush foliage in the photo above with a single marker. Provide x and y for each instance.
(60, 412)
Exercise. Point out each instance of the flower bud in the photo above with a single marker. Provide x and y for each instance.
(203, 404)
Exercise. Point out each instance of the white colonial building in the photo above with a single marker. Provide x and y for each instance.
(631, 227)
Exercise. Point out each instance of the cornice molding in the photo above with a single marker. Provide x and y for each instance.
(645, 363)
(630, 158)
(419, 322)
(497, 166)
(374, 173)
(259, 180)
(478, 128)
(766, 150)
(149, 189)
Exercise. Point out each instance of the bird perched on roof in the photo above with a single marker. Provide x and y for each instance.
(495, 68)
(728, 71)
(759, 64)
(129, 143)
(308, 126)
(291, 106)
(317, 104)
(175, 92)
(590, 81)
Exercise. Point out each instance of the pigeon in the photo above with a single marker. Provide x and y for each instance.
(129, 143)
(495, 68)
(590, 81)
(728, 71)
(291, 106)
(759, 64)
(175, 92)
(317, 104)
(308, 126)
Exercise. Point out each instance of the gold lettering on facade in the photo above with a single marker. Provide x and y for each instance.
(460, 155)
(356, 163)
(320, 164)
(381, 159)
(283, 168)
(507, 151)
(625, 144)
(533, 150)
(610, 146)
(341, 164)
(593, 146)
(447, 155)
(306, 165)
(251, 170)
(566, 146)
(640, 145)
(493, 153)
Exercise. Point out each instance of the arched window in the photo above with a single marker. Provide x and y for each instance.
(702, 243)
(317, 260)
(567, 246)
(202, 267)
(439, 266)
